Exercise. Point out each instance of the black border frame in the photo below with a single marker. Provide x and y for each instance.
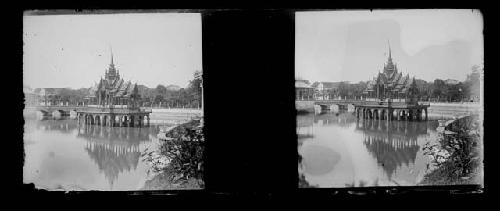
(253, 42)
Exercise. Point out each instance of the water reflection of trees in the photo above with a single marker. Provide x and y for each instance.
(342, 119)
(64, 126)
(305, 123)
(304, 127)
(114, 149)
(392, 143)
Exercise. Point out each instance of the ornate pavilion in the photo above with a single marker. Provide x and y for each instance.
(113, 90)
(391, 84)
(391, 95)
(113, 102)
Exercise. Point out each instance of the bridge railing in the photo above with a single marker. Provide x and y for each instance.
(386, 103)
(336, 100)
(375, 102)
(112, 110)
(54, 106)
(424, 103)
(146, 109)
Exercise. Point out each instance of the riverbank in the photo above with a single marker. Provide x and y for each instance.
(441, 176)
(173, 116)
(457, 159)
(178, 161)
(452, 110)
(169, 180)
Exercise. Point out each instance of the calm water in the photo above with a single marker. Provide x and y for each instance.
(340, 151)
(62, 154)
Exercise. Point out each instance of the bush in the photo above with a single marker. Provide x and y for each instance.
(185, 152)
(457, 155)
(180, 157)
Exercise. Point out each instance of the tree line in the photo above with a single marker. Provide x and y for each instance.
(436, 91)
(161, 96)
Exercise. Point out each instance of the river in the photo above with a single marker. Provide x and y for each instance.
(340, 151)
(62, 155)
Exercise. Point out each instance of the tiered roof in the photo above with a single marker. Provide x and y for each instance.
(391, 77)
(113, 84)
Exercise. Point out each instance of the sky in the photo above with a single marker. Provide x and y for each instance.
(353, 45)
(75, 50)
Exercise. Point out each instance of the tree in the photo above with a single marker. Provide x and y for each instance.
(439, 89)
(343, 89)
(195, 84)
(194, 89)
(413, 91)
(183, 97)
(357, 89)
(423, 89)
(158, 99)
(453, 92)
(160, 90)
(159, 94)
(472, 84)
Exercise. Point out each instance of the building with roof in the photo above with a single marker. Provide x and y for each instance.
(43, 97)
(390, 94)
(324, 90)
(112, 90)
(303, 90)
(304, 96)
(30, 97)
(113, 102)
(390, 83)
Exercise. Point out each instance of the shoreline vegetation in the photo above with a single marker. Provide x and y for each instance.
(177, 163)
(457, 158)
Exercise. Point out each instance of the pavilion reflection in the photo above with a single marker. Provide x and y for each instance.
(115, 149)
(392, 143)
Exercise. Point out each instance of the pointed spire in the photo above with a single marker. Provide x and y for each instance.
(389, 44)
(112, 56)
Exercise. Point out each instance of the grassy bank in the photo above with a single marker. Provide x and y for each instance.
(178, 161)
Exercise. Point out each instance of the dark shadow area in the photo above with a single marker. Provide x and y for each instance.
(250, 114)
